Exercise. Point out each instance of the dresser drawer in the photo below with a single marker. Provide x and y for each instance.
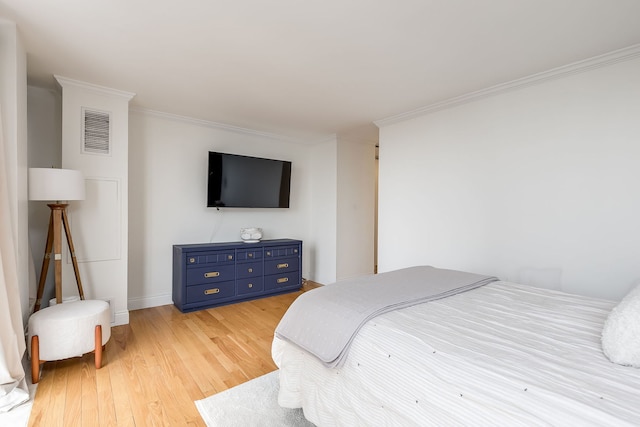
(283, 251)
(249, 254)
(209, 258)
(250, 285)
(283, 280)
(211, 273)
(249, 269)
(210, 292)
(281, 265)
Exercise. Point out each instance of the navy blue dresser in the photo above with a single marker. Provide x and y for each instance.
(211, 274)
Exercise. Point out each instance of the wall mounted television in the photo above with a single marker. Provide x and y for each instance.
(236, 181)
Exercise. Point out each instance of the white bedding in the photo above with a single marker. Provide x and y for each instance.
(325, 320)
(503, 354)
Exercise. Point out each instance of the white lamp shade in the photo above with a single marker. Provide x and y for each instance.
(55, 184)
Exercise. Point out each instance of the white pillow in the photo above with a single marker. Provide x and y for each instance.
(621, 331)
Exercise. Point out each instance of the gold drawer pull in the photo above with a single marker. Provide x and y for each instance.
(192, 260)
(250, 285)
(211, 274)
(283, 265)
(250, 255)
(249, 270)
(283, 280)
(211, 291)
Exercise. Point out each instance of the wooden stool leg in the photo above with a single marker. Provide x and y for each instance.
(98, 350)
(35, 359)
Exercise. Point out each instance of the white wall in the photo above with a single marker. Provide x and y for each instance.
(343, 213)
(44, 111)
(536, 185)
(356, 208)
(99, 224)
(13, 110)
(324, 212)
(167, 197)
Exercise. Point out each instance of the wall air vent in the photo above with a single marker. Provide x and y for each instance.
(96, 132)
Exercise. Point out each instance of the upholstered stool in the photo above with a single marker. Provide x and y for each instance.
(68, 330)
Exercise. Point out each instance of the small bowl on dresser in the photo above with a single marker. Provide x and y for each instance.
(251, 234)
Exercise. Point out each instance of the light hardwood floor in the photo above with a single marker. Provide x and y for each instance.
(155, 367)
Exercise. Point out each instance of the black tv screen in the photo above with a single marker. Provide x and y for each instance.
(247, 182)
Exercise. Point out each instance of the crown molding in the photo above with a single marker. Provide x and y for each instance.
(620, 55)
(214, 125)
(64, 81)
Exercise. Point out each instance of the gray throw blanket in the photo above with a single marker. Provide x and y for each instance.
(325, 321)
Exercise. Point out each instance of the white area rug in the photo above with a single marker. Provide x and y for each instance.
(254, 403)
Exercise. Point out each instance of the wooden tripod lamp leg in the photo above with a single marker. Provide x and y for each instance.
(72, 251)
(57, 248)
(57, 220)
(45, 264)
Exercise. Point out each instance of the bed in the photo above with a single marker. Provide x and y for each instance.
(498, 354)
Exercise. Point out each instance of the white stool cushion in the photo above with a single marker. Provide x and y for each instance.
(68, 330)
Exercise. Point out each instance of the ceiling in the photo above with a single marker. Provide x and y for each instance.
(307, 69)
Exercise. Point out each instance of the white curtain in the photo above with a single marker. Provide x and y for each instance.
(13, 386)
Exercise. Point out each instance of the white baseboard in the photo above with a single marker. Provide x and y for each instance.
(121, 318)
(148, 302)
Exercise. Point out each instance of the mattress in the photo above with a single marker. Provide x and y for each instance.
(502, 354)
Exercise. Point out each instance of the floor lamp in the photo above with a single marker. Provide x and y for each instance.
(56, 185)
